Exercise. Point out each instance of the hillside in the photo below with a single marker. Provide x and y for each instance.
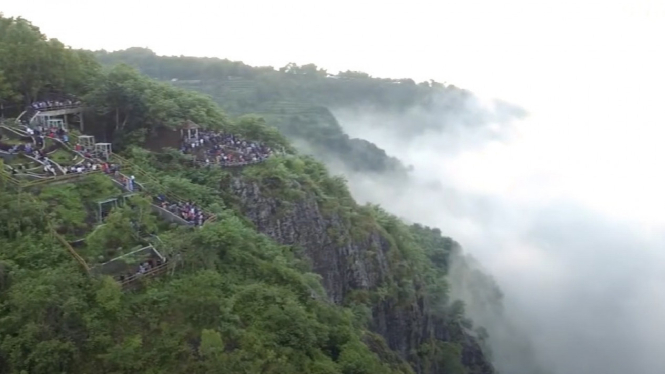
(300, 102)
(268, 265)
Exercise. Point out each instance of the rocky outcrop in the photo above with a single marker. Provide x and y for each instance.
(347, 263)
(343, 264)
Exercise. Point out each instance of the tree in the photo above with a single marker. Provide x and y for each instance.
(129, 104)
(23, 49)
(307, 69)
(255, 127)
(311, 69)
(118, 99)
(33, 65)
(290, 68)
(236, 300)
(212, 345)
(353, 74)
(7, 94)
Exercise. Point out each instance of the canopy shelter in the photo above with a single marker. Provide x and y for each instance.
(87, 142)
(105, 207)
(103, 150)
(189, 130)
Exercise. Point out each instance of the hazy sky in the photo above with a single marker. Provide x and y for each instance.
(497, 47)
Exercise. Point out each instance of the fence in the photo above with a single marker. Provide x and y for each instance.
(57, 107)
(150, 273)
(142, 173)
(17, 132)
(4, 176)
(165, 214)
(228, 164)
(59, 178)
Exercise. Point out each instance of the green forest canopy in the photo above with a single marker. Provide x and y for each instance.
(298, 100)
(238, 302)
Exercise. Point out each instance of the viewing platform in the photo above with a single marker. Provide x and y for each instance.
(41, 112)
(55, 111)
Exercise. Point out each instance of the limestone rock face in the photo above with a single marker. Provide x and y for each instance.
(347, 263)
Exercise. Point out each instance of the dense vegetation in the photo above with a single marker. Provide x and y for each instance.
(234, 301)
(242, 88)
(298, 100)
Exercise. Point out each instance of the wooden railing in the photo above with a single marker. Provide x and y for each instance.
(18, 119)
(17, 131)
(229, 164)
(135, 169)
(59, 178)
(173, 217)
(56, 107)
(124, 163)
(44, 180)
(152, 272)
(144, 174)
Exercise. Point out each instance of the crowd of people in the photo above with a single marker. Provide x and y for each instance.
(38, 135)
(186, 210)
(54, 104)
(48, 166)
(144, 268)
(85, 167)
(36, 149)
(29, 150)
(18, 148)
(39, 132)
(207, 147)
(113, 170)
(49, 103)
(224, 149)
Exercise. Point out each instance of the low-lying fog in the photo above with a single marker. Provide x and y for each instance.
(564, 209)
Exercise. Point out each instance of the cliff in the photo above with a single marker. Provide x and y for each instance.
(359, 262)
(234, 300)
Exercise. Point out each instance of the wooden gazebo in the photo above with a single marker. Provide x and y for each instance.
(189, 130)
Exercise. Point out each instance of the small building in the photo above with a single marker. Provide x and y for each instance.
(189, 130)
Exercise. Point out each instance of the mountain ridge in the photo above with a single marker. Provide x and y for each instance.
(298, 100)
(291, 275)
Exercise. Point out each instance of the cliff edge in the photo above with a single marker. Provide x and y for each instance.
(365, 257)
